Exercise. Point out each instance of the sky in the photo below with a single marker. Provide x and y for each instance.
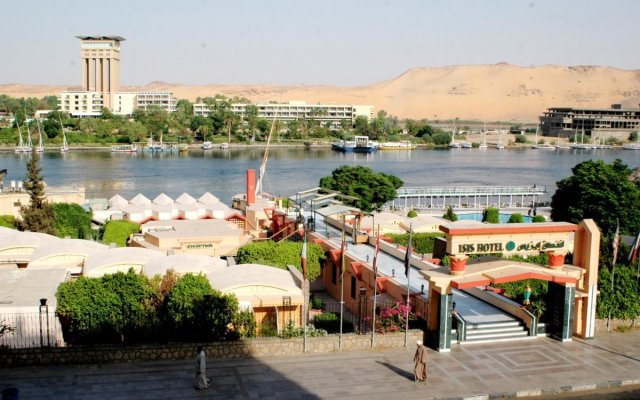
(298, 42)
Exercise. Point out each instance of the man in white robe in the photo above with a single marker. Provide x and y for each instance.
(202, 382)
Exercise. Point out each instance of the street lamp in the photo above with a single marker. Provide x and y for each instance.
(393, 272)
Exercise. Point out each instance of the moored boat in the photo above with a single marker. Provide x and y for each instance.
(124, 148)
(402, 145)
(207, 145)
(22, 148)
(364, 145)
(344, 146)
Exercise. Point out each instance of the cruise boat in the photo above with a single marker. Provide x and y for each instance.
(345, 146)
(402, 145)
(124, 148)
(364, 145)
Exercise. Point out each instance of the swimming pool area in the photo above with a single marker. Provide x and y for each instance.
(504, 217)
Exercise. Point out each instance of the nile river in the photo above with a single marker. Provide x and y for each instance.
(221, 172)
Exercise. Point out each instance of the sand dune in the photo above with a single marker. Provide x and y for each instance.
(483, 92)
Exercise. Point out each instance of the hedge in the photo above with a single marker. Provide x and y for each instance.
(420, 242)
(118, 232)
(281, 254)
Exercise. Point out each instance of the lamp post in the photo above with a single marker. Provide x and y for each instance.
(44, 313)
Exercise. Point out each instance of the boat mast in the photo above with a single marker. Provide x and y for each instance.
(40, 147)
(64, 135)
(21, 143)
(29, 142)
(263, 166)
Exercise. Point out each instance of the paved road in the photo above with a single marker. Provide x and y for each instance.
(532, 367)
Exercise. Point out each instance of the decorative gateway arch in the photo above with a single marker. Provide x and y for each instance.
(573, 288)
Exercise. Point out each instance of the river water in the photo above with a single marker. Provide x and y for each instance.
(222, 172)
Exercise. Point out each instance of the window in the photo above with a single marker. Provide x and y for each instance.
(353, 287)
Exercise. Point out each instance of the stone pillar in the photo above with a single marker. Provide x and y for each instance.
(567, 315)
(444, 316)
(92, 74)
(586, 255)
(439, 318)
(85, 74)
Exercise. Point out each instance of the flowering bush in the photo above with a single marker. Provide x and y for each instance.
(393, 317)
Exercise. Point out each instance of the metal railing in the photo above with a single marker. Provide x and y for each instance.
(471, 191)
(31, 330)
(45, 329)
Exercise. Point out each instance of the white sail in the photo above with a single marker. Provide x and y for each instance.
(65, 146)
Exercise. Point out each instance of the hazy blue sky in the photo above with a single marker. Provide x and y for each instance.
(346, 43)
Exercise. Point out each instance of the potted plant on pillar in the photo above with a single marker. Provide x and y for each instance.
(556, 259)
(458, 263)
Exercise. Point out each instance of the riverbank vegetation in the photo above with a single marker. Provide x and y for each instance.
(221, 125)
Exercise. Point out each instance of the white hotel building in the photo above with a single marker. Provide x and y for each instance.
(327, 114)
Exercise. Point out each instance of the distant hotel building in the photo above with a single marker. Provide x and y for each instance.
(597, 122)
(328, 114)
(100, 59)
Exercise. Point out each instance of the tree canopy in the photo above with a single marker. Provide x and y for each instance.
(72, 220)
(372, 189)
(602, 192)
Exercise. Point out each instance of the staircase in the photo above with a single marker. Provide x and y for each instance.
(489, 332)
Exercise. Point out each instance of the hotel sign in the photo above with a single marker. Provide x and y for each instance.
(198, 245)
(510, 246)
(510, 243)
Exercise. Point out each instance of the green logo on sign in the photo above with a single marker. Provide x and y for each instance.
(511, 246)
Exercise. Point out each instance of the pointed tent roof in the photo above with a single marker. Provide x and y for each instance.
(162, 199)
(208, 199)
(185, 199)
(139, 200)
(117, 201)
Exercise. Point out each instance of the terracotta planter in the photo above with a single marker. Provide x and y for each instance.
(556, 259)
(458, 264)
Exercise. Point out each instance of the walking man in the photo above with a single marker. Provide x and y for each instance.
(202, 382)
(420, 359)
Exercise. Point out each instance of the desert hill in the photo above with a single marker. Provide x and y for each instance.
(482, 92)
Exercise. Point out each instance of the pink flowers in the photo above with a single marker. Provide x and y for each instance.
(393, 318)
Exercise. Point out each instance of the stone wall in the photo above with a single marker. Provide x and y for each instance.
(101, 354)
(601, 325)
